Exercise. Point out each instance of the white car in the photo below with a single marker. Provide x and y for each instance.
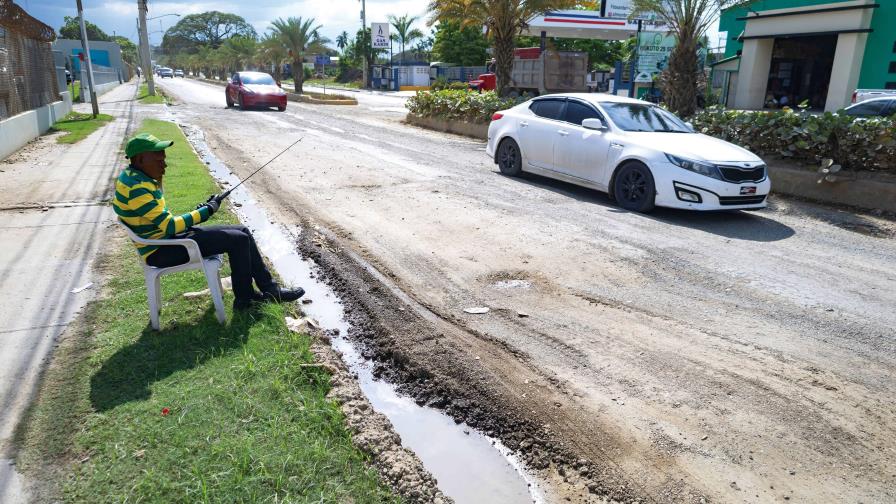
(637, 152)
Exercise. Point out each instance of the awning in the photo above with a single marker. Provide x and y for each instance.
(580, 24)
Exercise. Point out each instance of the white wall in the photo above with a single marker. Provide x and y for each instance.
(18, 130)
(755, 62)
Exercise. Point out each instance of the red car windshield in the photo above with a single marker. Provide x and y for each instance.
(257, 79)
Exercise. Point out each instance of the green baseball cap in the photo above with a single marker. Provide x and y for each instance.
(144, 142)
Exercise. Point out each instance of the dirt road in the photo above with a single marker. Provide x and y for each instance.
(736, 357)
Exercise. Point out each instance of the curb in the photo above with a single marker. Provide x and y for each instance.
(867, 190)
(474, 130)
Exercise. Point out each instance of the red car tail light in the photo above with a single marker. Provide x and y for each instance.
(496, 116)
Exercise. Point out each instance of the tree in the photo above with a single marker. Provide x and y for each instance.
(342, 41)
(128, 49)
(209, 29)
(460, 45)
(502, 18)
(272, 52)
(71, 29)
(404, 34)
(689, 21)
(298, 37)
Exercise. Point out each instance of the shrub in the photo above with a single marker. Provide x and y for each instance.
(855, 143)
(461, 105)
(439, 84)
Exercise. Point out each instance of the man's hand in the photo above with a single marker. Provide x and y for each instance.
(212, 204)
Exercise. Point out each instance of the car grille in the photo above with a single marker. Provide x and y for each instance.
(737, 174)
(741, 200)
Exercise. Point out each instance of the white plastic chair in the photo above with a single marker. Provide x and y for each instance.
(210, 265)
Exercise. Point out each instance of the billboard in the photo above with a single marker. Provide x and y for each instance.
(622, 9)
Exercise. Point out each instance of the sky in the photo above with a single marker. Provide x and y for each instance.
(120, 17)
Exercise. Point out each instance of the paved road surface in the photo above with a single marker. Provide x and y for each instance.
(739, 356)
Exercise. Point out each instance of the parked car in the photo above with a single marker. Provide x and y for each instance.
(637, 152)
(178, 73)
(860, 95)
(166, 72)
(254, 89)
(874, 107)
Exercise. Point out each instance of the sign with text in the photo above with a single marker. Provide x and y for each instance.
(379, 35)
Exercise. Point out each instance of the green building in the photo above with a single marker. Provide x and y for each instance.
(782, 52)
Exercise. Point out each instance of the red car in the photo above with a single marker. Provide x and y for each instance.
(254, 89)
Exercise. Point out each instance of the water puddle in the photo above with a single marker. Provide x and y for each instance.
(469, 466)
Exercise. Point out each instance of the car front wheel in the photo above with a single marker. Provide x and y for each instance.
(509, 159)
(239, 98)
(634, 189)
(228, 100)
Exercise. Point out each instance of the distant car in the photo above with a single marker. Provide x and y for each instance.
(178, 73)
(166, 72)
(254, 89)
(639, 153)
(860, 95)
(875, 107)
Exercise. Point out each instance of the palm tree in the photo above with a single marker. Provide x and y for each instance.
(404, 34)
(298, 37)
(272, 53)
(502, 18)
(342, 41)
(688, 20)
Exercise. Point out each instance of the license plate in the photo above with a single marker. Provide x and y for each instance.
(748, 190)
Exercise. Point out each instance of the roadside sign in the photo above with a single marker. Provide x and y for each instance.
(321, 60)
(379, 34)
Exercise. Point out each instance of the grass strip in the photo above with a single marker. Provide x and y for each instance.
(79, 126)
(143, 95)
(198, 412)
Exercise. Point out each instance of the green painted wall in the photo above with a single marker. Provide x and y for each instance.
(879, 51)
(881, 48)
(728, 20)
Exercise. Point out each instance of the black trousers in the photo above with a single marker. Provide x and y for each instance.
(246, 263)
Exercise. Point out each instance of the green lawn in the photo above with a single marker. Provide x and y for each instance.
(198, 412)
(79, 126)
(76, 92)
(329, 82)
(144, 97)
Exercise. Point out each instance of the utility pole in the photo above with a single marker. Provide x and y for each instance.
(144, 48)
(365, 46)
(86, 48)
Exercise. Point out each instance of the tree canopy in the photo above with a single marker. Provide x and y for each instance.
(71, 29)
(208, 29)
(460, 45)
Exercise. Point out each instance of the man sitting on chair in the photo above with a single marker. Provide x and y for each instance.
(140, 204)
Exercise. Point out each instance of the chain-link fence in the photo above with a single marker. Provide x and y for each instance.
(27, 70)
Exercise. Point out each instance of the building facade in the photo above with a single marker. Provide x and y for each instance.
(786, 52)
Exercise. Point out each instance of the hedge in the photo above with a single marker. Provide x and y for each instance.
(462, 105)
(807, 137)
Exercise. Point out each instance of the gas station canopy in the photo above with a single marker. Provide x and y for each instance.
(580, 24)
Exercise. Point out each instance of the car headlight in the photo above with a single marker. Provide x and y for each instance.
(707, 169)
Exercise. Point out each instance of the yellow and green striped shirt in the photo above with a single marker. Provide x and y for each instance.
(140, 204)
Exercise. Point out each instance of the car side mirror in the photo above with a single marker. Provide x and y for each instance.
(594, 124)
(690, 125)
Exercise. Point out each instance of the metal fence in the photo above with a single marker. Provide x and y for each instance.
(27, 70)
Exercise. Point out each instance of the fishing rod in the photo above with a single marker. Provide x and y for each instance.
(226, 193)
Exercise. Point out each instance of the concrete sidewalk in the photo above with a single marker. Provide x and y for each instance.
(54, 215)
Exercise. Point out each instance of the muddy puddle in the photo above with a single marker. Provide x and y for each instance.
(469, 466)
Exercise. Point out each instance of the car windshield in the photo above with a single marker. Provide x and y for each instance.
(257, 79)
(638, 117)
